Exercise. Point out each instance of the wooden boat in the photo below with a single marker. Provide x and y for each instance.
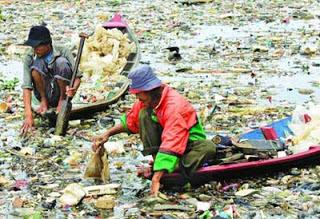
(224, 171)
(88, 109)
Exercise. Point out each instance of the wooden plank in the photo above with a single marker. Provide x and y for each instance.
(108, 189)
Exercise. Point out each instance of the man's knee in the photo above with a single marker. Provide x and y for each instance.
(63, 66)
(36, 75)
(144, 116)
(211, 149)
(62, 61)
(34, 72)
(207, 147)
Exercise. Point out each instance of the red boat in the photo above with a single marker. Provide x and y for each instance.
(224, 171)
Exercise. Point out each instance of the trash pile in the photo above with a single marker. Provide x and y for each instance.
(104, 56)
(105, 53)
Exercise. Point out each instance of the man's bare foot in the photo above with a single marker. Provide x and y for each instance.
(59, 107)
(43, 107)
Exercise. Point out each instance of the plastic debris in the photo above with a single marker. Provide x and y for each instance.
(245, 192)
(72, 194)
(105, 202)
(108, 189)
(94, 167)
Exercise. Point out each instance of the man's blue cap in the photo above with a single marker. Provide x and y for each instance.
(143, 79)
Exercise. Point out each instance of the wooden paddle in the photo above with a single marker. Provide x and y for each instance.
(64, 114)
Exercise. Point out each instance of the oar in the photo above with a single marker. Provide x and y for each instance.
(64, 114)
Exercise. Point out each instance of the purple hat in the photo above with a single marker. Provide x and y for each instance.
(143, 79)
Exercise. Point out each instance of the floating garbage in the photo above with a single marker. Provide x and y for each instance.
(203, 206)
(309, 50)
(4, 181)
(27, 151)
(105, 202)
(114, 147)
(105, 172)
(245, 192)
(98, 167)
(18, 202)
(4, 107)
(74, 158)
(94, 167)
(107, 189)
(72, 194)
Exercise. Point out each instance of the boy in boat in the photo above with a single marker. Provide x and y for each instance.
(47, 71)
(168, 126)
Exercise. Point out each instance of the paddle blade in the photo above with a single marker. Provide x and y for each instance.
(63, 118)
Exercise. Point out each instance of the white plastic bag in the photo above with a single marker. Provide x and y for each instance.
(306, 127)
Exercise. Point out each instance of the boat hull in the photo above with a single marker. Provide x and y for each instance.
(249, 168)
(225, 171)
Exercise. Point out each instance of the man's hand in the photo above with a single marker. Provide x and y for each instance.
(27, 125)
(155, 184)
(71, 91)
(98, 141)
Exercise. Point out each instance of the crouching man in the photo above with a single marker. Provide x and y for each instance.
(168, 127)
(47, 71)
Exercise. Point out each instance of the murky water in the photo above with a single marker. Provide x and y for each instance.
(11, 69)
(214, 45)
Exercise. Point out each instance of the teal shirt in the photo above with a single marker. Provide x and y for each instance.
(30, 56)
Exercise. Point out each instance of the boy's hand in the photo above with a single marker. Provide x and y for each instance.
(155, 184)
(98, 141)
(27, 125)
(70, 91)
